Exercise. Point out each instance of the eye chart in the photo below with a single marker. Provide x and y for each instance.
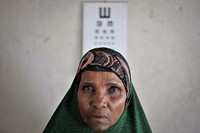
(105, 25)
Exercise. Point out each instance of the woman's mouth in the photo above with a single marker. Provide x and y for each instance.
(100, 118)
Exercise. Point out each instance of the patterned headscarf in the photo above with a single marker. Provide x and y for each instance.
(105, 59)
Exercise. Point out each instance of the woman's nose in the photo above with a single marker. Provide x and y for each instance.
(99, 101)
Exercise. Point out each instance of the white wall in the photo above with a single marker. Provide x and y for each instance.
(40, 47)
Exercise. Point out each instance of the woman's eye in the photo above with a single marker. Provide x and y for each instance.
(114, 91)
(88, 88)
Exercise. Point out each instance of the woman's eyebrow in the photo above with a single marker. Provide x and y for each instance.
(87, 83)
(114, 84)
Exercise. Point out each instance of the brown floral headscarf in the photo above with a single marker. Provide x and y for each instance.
(106, 59)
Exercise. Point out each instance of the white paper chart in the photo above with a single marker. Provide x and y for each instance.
(105, 25)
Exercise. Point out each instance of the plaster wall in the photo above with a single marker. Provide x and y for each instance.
(40, 47)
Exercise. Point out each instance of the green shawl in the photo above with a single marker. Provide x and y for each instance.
(67, 118)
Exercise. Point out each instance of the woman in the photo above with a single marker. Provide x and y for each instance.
(101, 98)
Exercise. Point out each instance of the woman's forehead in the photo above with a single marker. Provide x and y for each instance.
(99, 75)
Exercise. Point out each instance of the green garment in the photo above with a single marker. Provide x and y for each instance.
(67, 118)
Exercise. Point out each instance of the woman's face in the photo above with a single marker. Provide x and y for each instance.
(101, 97)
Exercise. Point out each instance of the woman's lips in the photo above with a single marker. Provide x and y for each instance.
(98, 118)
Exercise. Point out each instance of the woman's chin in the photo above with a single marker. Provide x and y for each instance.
(99, 127)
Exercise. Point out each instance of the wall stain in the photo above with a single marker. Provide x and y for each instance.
(46, 39)
(144, 30)
(162, 21)
(152, 14)
(1, 47)
(180, 8)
